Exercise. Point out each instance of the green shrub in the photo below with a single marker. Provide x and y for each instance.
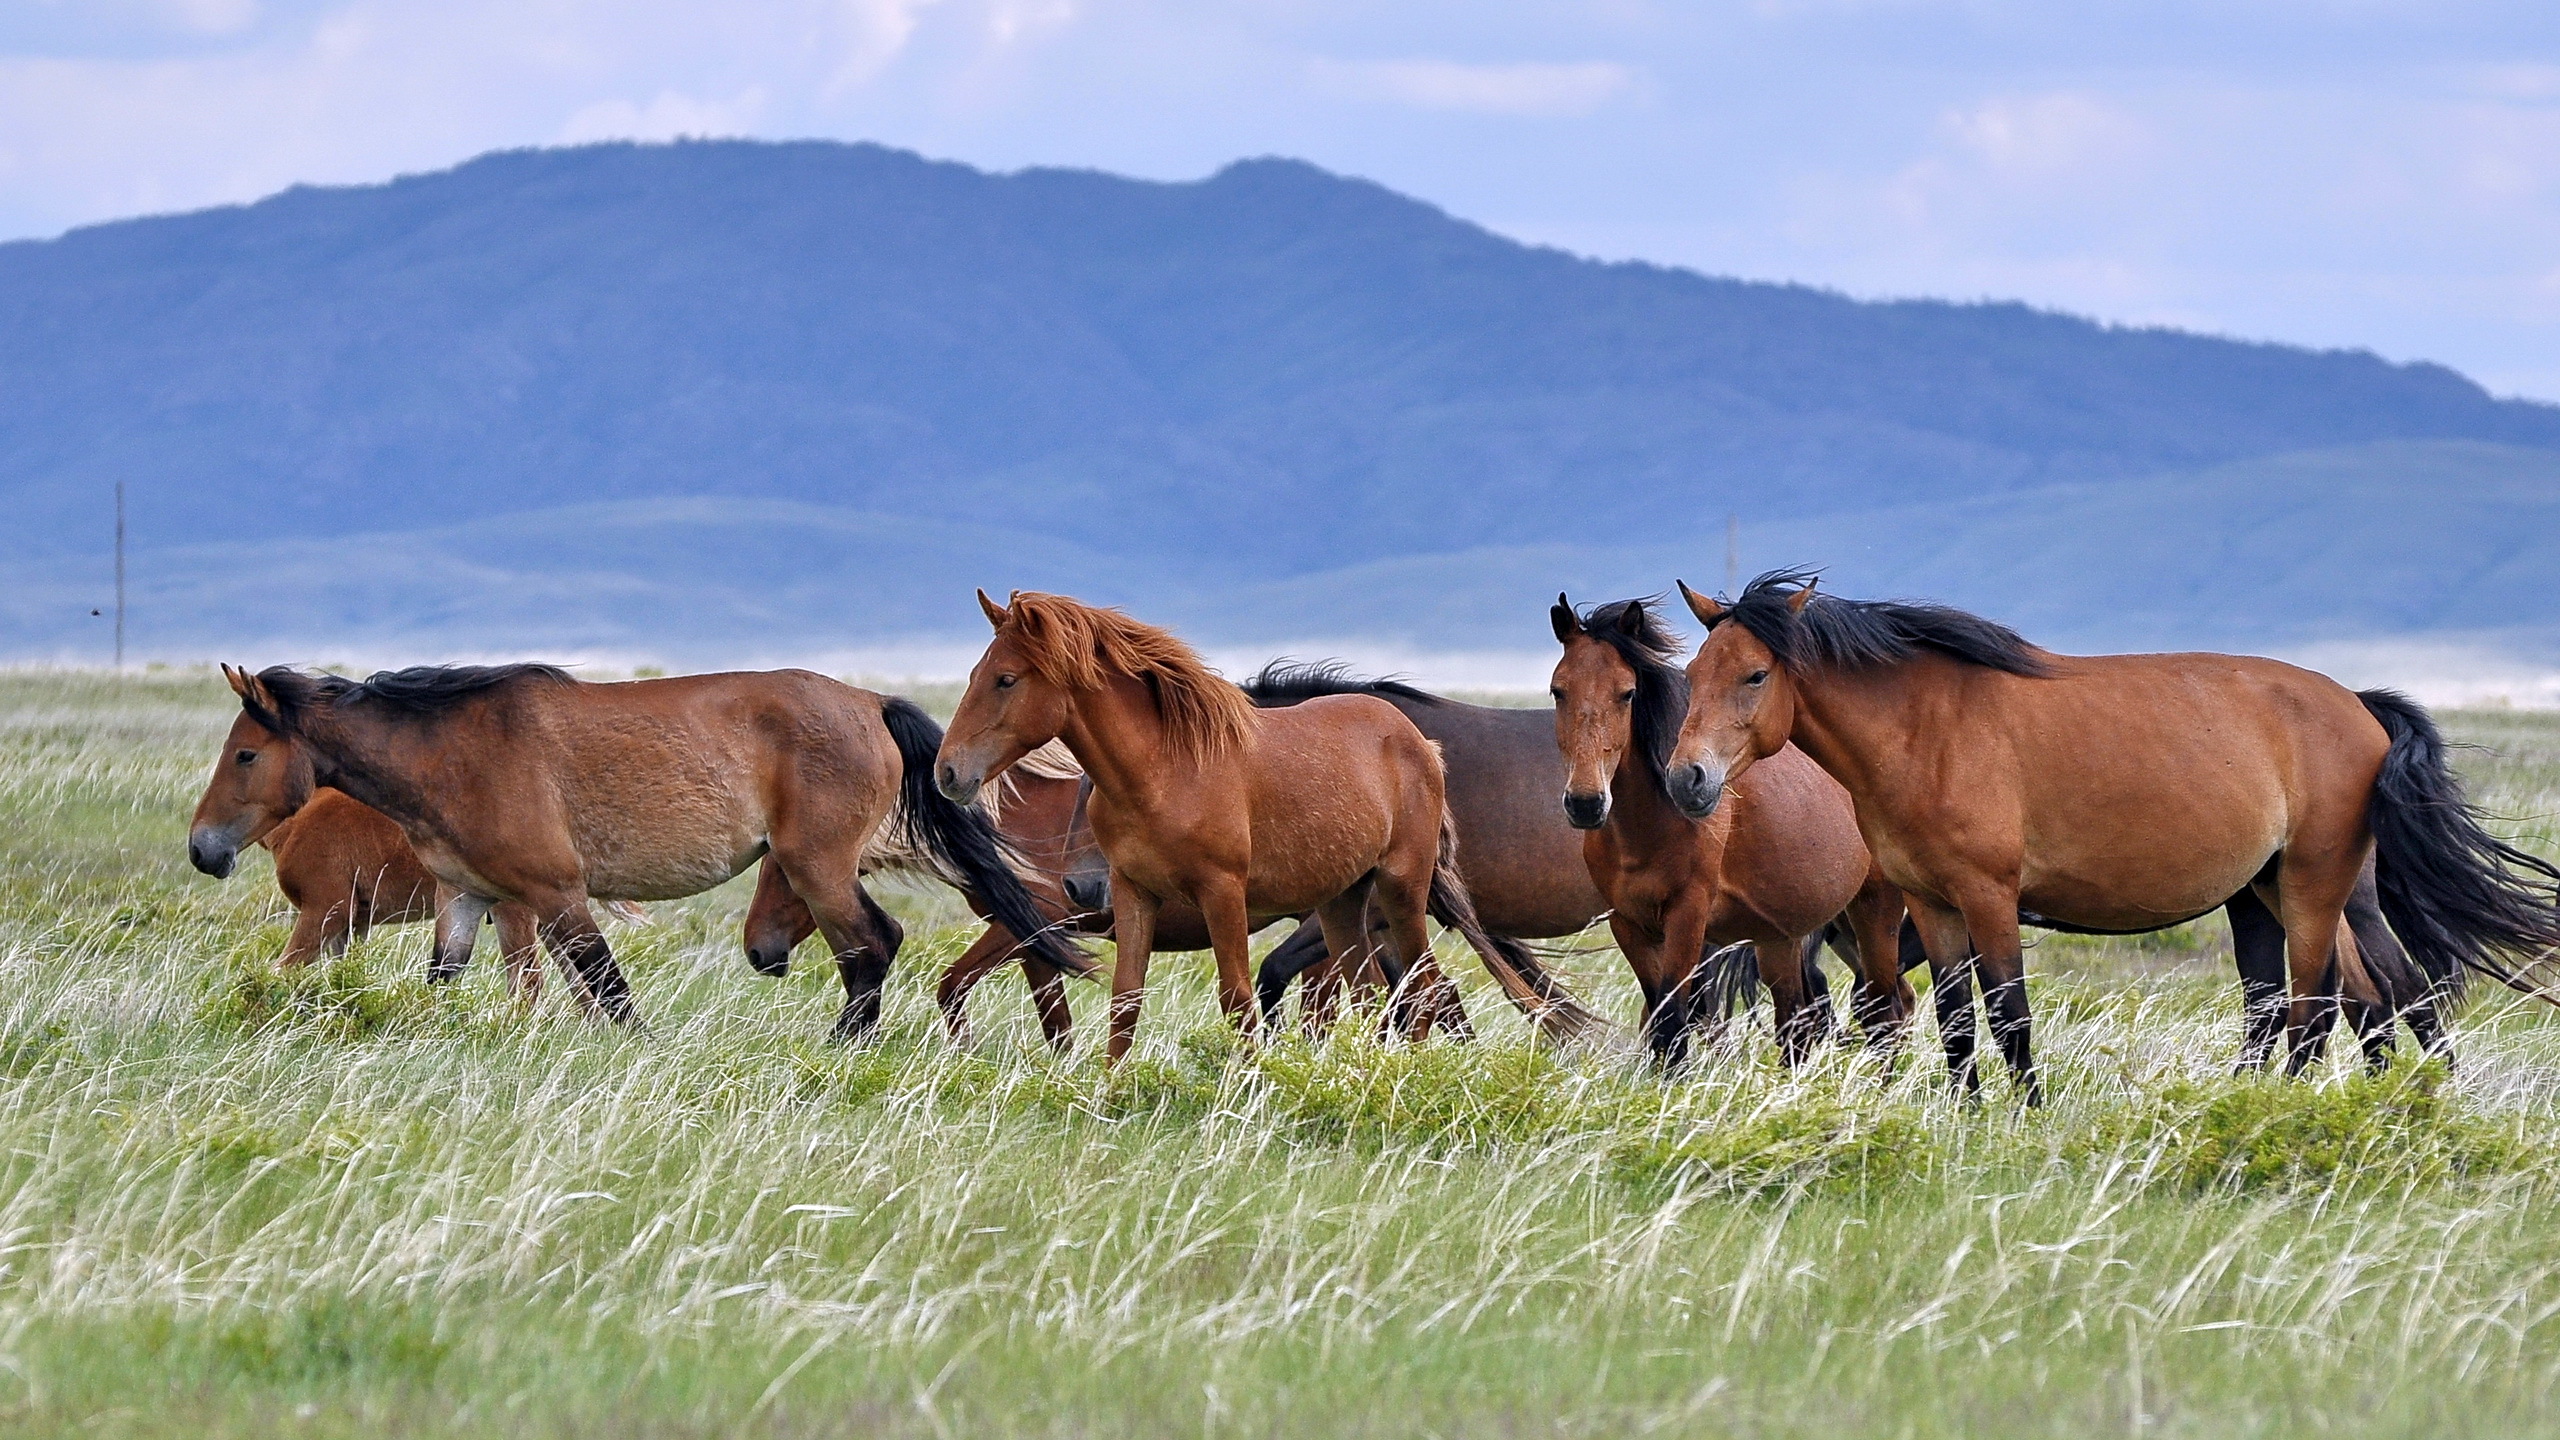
(339, 1001)
(2250, 1132)
(1815, 1143)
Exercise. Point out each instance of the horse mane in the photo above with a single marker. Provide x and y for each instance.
(1662, 688)
(420, 690)
(1051, 761)
(1286, 682)
(1865, 634)
(1082, 646)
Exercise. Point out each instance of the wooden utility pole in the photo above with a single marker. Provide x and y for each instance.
(119, 577)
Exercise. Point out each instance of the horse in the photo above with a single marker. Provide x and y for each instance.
(1771, 870)
(1199, 797)
(520, 783)
(1522, 865)
(2111, 793)
(343, 866)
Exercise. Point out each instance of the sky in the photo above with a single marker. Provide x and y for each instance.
(2382, 174)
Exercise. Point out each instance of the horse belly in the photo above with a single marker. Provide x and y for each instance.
(669, 852)
(1318, 851)
(2140, 878)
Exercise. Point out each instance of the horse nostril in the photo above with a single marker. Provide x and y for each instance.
(1585, 812)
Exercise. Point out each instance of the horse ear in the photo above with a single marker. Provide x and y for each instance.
(238, 679)
(1562, 617)
(996, 615)
(1803, 597)
(1707, 611)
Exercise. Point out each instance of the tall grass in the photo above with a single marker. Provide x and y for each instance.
(344, 1203)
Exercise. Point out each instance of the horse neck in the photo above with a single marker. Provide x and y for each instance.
(1855, 724)
(1641, 813)
(1117, 734)
(366, 759)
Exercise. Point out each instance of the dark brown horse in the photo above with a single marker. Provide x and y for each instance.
(1771, 869)
(2115, 793)
(343, 866)
(1198, 797)
(518, 783)
(1521, 862)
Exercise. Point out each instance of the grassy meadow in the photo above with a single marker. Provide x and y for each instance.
(348, 1205)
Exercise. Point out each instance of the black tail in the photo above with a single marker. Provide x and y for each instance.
(962, 838)
(1514, 966)
(2458, 897)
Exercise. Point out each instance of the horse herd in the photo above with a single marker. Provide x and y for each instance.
(1908, 784)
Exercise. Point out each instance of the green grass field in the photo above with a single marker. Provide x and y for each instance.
(349, 1205)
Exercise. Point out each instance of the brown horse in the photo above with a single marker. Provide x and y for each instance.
(1771, 870)
(1200, 798)
(519, 783)
(343, 866)
(2113, 793)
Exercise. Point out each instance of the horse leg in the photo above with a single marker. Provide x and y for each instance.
(2257, 951)
(318, 931)
(2311, 900)
(520, 945)
(1422, 990)
(865, 939)
(458, 917)
(977, 962)
(2386, 955)
(1049, 1000)
(1133, 932)
(1950, 947)
(1231, 941)
(1302, 951)
(1782, 974)
(2000, 955)
(1644, 957)
(569, 932)
(1884, 1000)
(1342, 930)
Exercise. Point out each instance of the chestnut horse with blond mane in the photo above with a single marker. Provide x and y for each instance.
(2109, 793)
(1199, 798)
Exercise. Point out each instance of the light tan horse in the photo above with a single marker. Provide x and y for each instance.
(518, 783)
(1770, 869)
(2112, 793)
(1199, 798)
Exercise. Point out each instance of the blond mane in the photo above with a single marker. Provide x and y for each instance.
(1082, 646)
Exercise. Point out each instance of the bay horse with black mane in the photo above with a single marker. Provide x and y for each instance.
(1771, 870)
(344, 866)
(519, 783)
(2109, 793)
(1198, 797)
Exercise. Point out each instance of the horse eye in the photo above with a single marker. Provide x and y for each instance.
(247, 757)
(1756, 677)
(1557, 691)
(1005, 682)
(1628, 698)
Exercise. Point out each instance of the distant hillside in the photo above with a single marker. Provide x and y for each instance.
(641, 394)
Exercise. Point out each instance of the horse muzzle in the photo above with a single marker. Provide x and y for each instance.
(769, 959)
(1586, 811)
(1089, 891)
(1695, 789)
(212, 852)
(957, 788)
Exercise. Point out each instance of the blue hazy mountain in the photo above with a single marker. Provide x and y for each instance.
(815, 390)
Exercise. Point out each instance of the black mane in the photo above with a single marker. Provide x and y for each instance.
(1662, 688)
(1286, 682)
(419, 690)
(1863, 634)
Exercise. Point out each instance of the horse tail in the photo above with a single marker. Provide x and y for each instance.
(2458, 897)
(1549, 1005)
(964, 842)
(1729, 979)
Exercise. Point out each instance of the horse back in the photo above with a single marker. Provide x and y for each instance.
(1504, 778)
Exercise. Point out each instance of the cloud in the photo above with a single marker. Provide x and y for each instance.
(1529, 88)
(667, 116)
